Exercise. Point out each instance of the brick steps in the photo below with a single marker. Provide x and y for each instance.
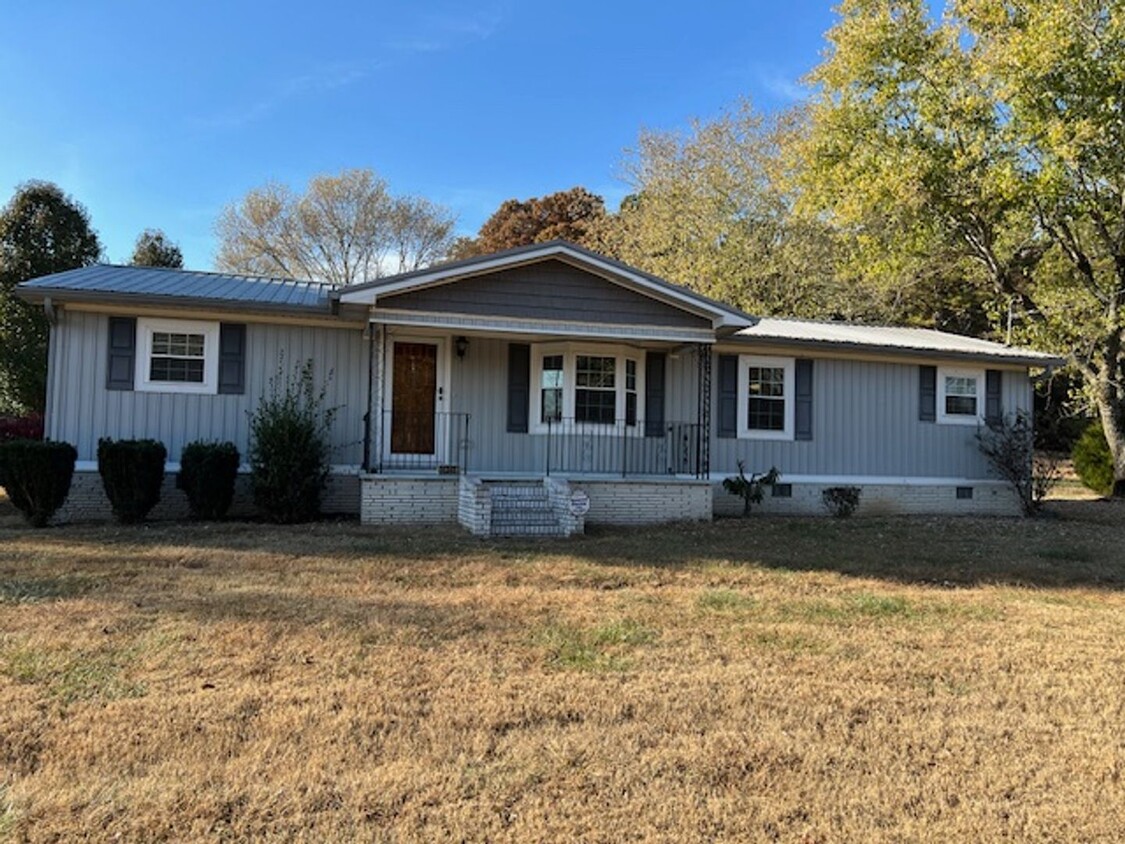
(522, 509)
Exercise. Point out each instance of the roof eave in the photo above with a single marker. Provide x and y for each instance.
(1035, 360)
(37, 294)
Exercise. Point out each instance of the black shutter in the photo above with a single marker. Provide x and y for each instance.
(519, 386)
(121, 362)
(727, 425)
(232, 358)
(993, 389)
(655, 365)
(927, 393)
(803, 404)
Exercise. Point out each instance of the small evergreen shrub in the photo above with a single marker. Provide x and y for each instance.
(752, 489)
(841, 501)
(1093, 461)
(36, 474)
(207, 475)
(290, 447)
(132, 472)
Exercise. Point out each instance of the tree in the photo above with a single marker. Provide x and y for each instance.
(987, 144)
(154, 249)
(42, 231)
(343, 229)
(564, 215)
(711, 209)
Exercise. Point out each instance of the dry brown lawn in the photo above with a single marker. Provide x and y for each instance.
(761, 680)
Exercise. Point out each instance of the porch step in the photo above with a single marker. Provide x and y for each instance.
(522, 509)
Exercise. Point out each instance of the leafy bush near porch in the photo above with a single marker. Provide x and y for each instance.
(1093, 461)
(28, 427)
(841, 501)
(289, 446)
(132, 473)
(751, 490)
(207, 476)
(36, 475)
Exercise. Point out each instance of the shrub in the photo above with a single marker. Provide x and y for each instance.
(751, 489)
(28, 427)
(289, 447)
(36, 476)
(207, 475)
(1093, 461)
(132, 472)
(1010, 448)
(841, 501)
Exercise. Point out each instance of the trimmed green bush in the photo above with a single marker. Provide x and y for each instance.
(36, 474)
(289, 447)
(132, 473)
(207, 475)
(1093, 460)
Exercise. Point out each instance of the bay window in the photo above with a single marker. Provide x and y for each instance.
(586, 385)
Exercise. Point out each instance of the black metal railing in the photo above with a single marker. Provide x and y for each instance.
(578, 447)
(417, 441)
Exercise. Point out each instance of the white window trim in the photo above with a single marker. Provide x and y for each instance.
(744, 363)
(570, 353)
(960, 418)
(210, 331)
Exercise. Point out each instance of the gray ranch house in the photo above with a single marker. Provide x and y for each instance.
(531, 391)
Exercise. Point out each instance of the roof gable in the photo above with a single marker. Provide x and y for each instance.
(609, 271)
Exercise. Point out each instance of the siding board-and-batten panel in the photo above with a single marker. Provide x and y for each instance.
(551, 290)
(84, 410)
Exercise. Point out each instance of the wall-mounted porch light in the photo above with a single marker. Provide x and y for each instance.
(461, 345)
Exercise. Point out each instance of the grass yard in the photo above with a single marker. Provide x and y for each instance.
(762, 680)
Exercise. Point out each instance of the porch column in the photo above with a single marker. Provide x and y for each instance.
(703, 409)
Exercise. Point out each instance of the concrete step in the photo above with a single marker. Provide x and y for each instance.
(520, 504)
(527, 530)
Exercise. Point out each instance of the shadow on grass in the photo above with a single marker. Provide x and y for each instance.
(1077, 544)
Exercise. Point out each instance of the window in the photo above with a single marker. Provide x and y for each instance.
(177, 356)
(587, 385)
(595, 396)
(765, 397)
(960, 396)
(551, 389)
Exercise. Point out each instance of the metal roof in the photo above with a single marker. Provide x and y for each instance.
(171, 284)
(889, 338)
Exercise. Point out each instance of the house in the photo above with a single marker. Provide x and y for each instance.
(531, 391)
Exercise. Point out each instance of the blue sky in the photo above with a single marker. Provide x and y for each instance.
(159, 114)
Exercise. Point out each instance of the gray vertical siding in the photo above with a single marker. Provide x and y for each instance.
(865, 422)
(81, 410)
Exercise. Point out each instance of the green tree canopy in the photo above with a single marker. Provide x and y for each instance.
(986, 146)
(154, 249)
(42, 231)
(343, 229)
(712, 209)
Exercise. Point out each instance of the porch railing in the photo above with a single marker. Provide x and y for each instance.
(454, 442)
(418, 441)
(577, 447)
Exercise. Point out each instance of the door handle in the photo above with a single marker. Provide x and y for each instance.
(440, 393)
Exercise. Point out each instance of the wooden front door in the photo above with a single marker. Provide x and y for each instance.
(414, 393)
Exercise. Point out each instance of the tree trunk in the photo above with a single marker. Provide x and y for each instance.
(1113, 423)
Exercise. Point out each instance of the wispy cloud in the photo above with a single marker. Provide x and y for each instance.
(435, 33)
(329, 77)
(779, 86)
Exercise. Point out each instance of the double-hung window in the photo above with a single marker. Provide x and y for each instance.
(177, 356)
(765, 397)
(960, 396)
(586, 385)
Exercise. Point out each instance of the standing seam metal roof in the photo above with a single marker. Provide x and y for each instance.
(192, 284)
